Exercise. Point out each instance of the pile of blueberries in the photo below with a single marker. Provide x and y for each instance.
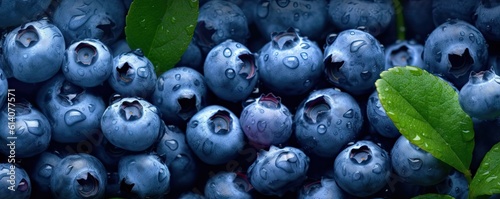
(271, 99)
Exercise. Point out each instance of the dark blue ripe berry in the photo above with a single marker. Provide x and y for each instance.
(353, 61)
(378, 118)
(327, 120)
(34, 51)
(479, 96)
(322, 189)
(362, 169)
(230, 71)
(227, 185)
(14, 13)
(404, 53)
(455, 49)
(266, 121)
(443, 10)
(290, 64)
(278, 170)
(487, 17)
(20, 187)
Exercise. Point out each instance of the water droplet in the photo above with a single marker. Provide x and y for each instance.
(143, 72)
(177, 77)
(161, 83)
(176, 87)
(467, 135)
(415, 71)
(339, 122)
(357, 175)
(81, 72)
(462, 33)
(356, 45)
(207, 147)
(227, 52)
(68, 169)
(489, 179)
(261, 125)
(352, 33)
(488, 28)
(230, 73)
(348, 125)
(197, 82)
(307, 83)
(193, 124)
(291, 62)
(415, 163)
(25, 56)
(438, 56)
(416, 138)
(283, 3)
(472, 37)
(345, 18)
(365, 75)
(296, 17)
(171, 144)
(344, 170)
(377, 169)
(263, 9)
(91, 108)
(45, 171)
(304, 55)
(349, 114)
(305, 46)
(321, 129)
(73, 116)
(263, 174)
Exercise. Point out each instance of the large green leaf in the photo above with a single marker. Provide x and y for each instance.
(162, 29)
(433, 196)
(426, 111)
(487, 178)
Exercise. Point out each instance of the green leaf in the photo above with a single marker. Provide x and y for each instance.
(433, 196)
(161, 29)
(426, 111)
(486, 180)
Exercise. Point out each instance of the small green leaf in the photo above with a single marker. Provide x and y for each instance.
(433, 196)
(161, 29)
(426, 111)
(486, 181)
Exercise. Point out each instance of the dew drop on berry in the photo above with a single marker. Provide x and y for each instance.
(81, 72)
(348, 125)
(162, 175)
(291, 62)
(344, 170)
(230, 73)
(266, 57)
(339, 122)
(68, 169)
(73, 116)
(193, 124)
(377, 169)
(296, 17)
(345, 19)
(261, 125)
(365, 75)
(305, 46)
(227, 52)
(415, 163)
(34, 127)
(349, 114)
(207, 147)
(176, 87)
(321, 129)
(45, 171)
(307, 83)
(356, 45)
(143, 72)
(304, 55)
(171, 144)
(263, 174)
(357, 175)
(283, 3)
(161, 83)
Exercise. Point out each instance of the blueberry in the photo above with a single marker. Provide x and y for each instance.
(180, 160)
(88, 63)
(309, 16)
(353, 61)
(378, 118)
(143, 176)
(73, 112)
(14, 13)
(218, 21)
(375, 16)
(131, 123)
(478, 97)
(322, 189)
(486, 17)
(454, 49)
(191, 195)
(290, 64)
(41, 171)
(107, 153)
(416, 166)
(214, 134)
(418, 19)
(82, 19)
(4, 86)
(227, 185)
(19, 187)
(266, 121)
(179, 93)
(133, 75)
(443, 10)
(34, 44)
(78, 176)
(278, 170)
(119, 47)
(362, 169)
(248, 7)
(404, 53)
(327, 120)
(31, 130)
(192, 58)
(454, 185)
(230, 71)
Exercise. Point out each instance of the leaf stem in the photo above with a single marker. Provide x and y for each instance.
(400, 23)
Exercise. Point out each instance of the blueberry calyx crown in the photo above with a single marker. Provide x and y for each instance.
(220, 122)
(126, 186)
(401, 56)
(242, 182)
(69, 93)
(316, 109)
(126, 72)
(247, 66)
(23, 185)
(285, 161)
(131, 110)
(85, 54)
(106, 26)
(285, 40)
(27, 37)
(460, 62)
(270, 101)
(333, 64)
(361, 155)
(187, 106)
(88, 185)
(482, 76)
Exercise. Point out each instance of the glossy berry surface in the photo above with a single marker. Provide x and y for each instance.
(297, 59)
(327, 120)
(131, 123)
(20, 187)
(362, 169)
(237, 64)
(266, 121)
(34, 44)
(324, 188)
(227, 185)
(379, 119)
(478, 97)
(214, 134)
(78, 176)
(278, 170)
(404, 53)
(87, 63)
